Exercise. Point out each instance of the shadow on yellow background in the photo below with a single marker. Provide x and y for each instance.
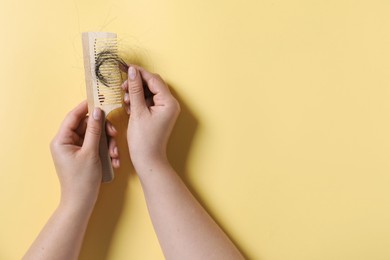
(112, 198)
(179, 148)
(284, 134)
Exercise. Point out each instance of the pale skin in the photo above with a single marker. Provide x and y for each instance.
(184, 229)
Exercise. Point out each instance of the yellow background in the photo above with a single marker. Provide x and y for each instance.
(284, 135)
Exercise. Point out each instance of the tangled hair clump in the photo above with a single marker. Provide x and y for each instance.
(106, 63)
(108, 66)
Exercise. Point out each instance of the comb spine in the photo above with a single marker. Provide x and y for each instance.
(92, 97)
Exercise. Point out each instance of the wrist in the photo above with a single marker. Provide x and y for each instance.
(78, 203)
(152, 166)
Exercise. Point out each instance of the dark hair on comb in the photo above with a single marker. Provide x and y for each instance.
(111, 58)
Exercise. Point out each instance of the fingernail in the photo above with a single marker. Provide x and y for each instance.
(96, 113)
(126, 97)
(116, 151)
(132, 73)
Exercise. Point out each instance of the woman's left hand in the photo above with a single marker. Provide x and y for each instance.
(75, 151)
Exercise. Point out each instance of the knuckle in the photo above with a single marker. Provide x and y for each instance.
(175, 105)
(152, 81)
(94, 130)
(71, 116)
(157, 76)
(156, 79)
(135, 88)
(178, 107)
(54, 144)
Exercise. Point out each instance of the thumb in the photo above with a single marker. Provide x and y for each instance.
(94, 131)
(136, 91)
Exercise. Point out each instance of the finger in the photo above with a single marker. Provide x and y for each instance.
(125, 88)
(136, 91)
(115, 163)
(113, 148)
(94, 130)
(126, 98)
(110, 129)
(125, 85)
(155, 83)
(82, 126)
(74, 117)
(126, 101)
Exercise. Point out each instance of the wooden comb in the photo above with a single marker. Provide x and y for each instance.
(106, 95)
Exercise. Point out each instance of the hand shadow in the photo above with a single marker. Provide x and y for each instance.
(109, 205)
(102, 225)
(179, 147)
(182, 136)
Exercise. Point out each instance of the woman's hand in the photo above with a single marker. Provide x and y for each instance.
(75, 151)
(183, 227)
(151, 120)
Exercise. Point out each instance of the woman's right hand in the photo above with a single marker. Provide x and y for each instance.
(151, 120)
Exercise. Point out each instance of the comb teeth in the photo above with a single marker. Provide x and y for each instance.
(106, 96)
(106, 56)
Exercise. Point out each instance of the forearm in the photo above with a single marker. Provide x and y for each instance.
(62, 236)
(184, 228)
